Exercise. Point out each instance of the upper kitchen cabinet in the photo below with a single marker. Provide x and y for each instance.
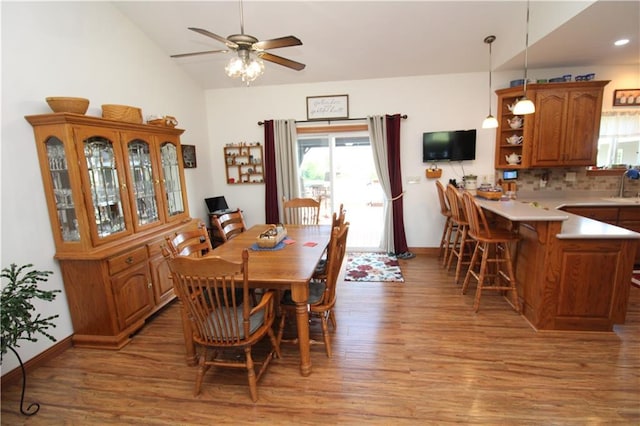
(106, 180)
(563, 132)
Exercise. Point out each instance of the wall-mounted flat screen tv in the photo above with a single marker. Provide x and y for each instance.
(453, 145)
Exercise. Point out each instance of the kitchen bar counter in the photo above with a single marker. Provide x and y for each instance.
(573, 226)
(572, 272)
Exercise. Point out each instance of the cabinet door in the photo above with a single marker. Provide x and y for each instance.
(143, 177)
(583, 127)
(162, 283)
(103, 179)
(132, 293)
(549, 127)
(172, 178)
(59, 179)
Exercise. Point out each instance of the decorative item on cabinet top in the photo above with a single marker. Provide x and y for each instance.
(126, 113)
(66, 104)
(159, 120)
(244, 162)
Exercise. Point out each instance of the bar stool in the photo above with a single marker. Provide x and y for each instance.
(492, 248)
(461, 247)
(447, 231)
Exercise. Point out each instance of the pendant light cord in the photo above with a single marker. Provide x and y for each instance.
(489, 40)
(242, 19)
(526, 52)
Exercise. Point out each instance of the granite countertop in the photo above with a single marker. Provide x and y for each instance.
(539, 206)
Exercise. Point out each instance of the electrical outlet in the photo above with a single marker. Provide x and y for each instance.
(570, 177)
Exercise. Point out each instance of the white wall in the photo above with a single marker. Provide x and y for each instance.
(74, 49)
(85, 49)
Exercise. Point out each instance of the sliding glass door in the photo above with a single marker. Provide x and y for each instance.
(339, 169)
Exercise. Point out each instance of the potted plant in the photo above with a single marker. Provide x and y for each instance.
(17, 314)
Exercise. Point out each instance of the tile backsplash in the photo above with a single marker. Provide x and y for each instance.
(529, 180)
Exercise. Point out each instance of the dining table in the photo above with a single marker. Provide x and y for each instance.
(288, 266)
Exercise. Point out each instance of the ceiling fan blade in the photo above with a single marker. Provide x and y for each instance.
(229, 43)
(281, 61)
(277, 42)
(206, 52)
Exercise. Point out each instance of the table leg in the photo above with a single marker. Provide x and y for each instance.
(300, 294)
(189, 346)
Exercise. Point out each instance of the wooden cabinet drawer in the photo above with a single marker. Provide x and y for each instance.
(126, 260)
(629, 213)
(155, 247)
(603, 214)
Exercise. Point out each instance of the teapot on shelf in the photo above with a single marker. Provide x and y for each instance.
(512, 106)
(515, 122)
(514, 139)
(513, 158)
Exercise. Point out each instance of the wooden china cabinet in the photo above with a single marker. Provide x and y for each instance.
(563, 131)
(114, 190)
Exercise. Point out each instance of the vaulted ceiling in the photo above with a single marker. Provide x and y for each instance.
(352, 40)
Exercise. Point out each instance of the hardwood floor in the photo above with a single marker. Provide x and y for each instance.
(403, 353)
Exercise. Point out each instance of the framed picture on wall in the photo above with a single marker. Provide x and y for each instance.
(327, 107)
(189, 156)
(626, 97)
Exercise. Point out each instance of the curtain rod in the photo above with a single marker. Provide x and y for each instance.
(260, 123)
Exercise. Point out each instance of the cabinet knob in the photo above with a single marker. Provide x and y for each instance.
(149, 284)
(129, 260)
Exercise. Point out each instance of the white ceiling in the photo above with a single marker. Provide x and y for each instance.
(353, 40)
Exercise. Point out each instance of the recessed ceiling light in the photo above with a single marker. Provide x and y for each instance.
(621, 42)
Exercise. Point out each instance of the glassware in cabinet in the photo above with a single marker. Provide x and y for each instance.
(143, 178)
(172, 180)
(62, 190)
(104, 183)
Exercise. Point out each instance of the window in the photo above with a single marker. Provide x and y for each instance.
(619, 141)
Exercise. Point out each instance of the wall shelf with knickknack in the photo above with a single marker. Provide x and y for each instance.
(244, 163)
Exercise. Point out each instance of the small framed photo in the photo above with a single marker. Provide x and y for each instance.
(626, 97)
(189, 156)
(327, 107)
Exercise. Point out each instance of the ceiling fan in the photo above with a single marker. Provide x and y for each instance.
(245, 45)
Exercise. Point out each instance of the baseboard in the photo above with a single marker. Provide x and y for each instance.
(16, 374)
(431, 251)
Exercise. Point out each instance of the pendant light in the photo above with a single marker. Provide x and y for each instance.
(490, 122)
(524, 105)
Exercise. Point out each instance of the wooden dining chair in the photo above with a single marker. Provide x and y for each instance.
(492, 248)
(301, 211)
(229, 225)
(221, 320)
(338, 220)
(461, 246)
(448, 229)
(191, 242)
(322, 293)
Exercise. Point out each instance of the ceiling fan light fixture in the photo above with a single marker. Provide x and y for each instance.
(234, 67)
(253, 70)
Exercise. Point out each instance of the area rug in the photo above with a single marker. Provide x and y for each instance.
(379, 267)
(635, 278)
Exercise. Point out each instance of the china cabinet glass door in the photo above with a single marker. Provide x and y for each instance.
(175, 205)
(104, 182)
(65, 206)
(143, 181)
